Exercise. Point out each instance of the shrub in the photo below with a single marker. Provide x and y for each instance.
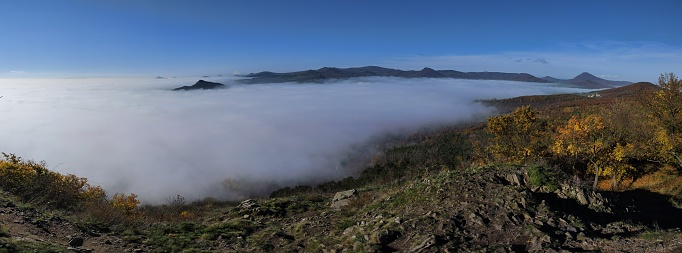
(125, 203)
(540, 176)
(4, 232)
(33, 183)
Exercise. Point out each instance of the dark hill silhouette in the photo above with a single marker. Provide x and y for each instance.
(588, 81)
(202, 85)
(328, 73)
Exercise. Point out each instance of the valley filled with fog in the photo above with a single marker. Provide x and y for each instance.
(136, 135)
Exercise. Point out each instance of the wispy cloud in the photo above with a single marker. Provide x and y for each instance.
(17, 72)
(609, 76)
(540, 60)
(628, 61)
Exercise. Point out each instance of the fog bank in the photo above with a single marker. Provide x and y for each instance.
(135, 135)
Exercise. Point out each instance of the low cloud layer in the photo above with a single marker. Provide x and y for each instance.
(134, 135)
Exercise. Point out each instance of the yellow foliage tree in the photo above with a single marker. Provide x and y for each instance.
(617, 164)
(518, 136)
(584, 139)
(666, 105)
(634, 138)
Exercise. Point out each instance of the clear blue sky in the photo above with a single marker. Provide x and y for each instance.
(622, 40)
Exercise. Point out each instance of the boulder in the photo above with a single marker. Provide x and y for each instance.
(343, 198)
(248, 204)
(513, 179)
(76, 241)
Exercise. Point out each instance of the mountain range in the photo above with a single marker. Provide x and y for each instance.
(584, 80)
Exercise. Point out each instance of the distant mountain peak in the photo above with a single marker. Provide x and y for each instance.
(429, 72)
(586, 76)
(588, 81)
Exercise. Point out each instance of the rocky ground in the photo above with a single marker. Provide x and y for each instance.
(29, 230)
(483, 210)
(499, 211)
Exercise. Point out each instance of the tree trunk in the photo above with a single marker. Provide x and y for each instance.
(678, 159)
(597, 171)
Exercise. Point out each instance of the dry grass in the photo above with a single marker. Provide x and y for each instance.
(667, 181)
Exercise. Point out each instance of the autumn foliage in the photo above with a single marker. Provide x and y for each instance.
(34, 183)
(667, 111)
(610, 141)
(516, 137)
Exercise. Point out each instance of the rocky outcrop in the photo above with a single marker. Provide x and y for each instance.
(343, 198)
(494, 209)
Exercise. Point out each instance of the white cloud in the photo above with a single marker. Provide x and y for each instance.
(17, 72)
(132, 135)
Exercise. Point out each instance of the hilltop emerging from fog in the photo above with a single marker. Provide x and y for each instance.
(584, 80)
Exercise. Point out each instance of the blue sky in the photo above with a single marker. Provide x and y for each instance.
(620, 40)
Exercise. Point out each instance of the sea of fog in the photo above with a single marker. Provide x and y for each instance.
(136, 135)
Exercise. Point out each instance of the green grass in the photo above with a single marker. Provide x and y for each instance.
(8, 245)
(4, 232)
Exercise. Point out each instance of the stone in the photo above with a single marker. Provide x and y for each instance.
(522, 202)
(427, 243)
(513, 179)
(76, 241)
(387, 236)
(580, 196)
(343, 198)
(248, 204)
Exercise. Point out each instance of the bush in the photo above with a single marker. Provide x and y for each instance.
(4, 232)
(540, 176)
(33, 183)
